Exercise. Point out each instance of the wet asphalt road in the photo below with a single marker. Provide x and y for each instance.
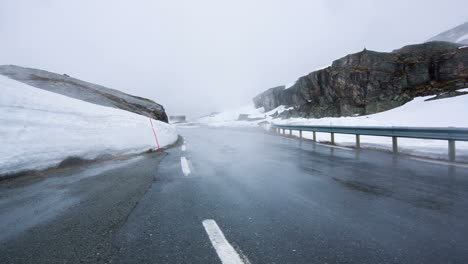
(276, 199)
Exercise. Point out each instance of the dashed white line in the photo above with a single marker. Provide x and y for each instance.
(184, 148)
(185, 166)
(226, 253)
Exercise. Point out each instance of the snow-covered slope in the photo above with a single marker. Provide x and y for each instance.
(85, 91)
(39, 129)
(419, 112)
(457, 34)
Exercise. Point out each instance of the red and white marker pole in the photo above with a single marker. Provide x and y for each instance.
(154, 133)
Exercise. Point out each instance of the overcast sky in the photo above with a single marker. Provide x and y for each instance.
(200, 56)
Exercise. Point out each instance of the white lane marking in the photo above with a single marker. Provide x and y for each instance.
(185, 166)
(440, 162)
(225, 251)
(332, 146)
(184, 148)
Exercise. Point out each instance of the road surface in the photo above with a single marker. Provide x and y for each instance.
(240, 196)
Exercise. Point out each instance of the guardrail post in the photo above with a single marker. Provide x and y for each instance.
(315, 136)
(332, 138)
(451, 153)
(395, 145)
(290, 132)
(300, 134)
(358, 141)
(284, 131)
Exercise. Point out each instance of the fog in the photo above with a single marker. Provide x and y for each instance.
(196, 57)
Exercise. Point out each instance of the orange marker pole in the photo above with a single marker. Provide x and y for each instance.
(154, 133)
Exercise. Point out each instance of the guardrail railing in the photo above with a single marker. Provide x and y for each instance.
(440, 133)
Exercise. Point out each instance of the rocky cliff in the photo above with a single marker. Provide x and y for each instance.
(92, 93)
(368, 82)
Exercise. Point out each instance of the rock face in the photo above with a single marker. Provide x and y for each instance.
(457, 34)
(369, 82)
(92, 93)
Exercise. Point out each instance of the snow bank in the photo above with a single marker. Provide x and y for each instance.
(449, 112)
(39, 129)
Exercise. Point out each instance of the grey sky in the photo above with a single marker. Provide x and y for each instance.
(200, 56)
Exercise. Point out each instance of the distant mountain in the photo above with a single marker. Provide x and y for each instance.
(457, 34)
(89, 92)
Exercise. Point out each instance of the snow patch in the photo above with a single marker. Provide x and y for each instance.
(280, 109)
(462, 38)
(289, 85)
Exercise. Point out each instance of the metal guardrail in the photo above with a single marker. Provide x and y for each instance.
(439, 133)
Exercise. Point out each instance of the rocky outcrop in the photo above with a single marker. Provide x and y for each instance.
(92, 93)
(270, 99)
(369, 82)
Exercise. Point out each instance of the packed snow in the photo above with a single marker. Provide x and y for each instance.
(39, 129)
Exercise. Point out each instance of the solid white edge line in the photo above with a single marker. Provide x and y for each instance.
(226, 253)
(185, 166)
(332, 146)
(440, 162)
